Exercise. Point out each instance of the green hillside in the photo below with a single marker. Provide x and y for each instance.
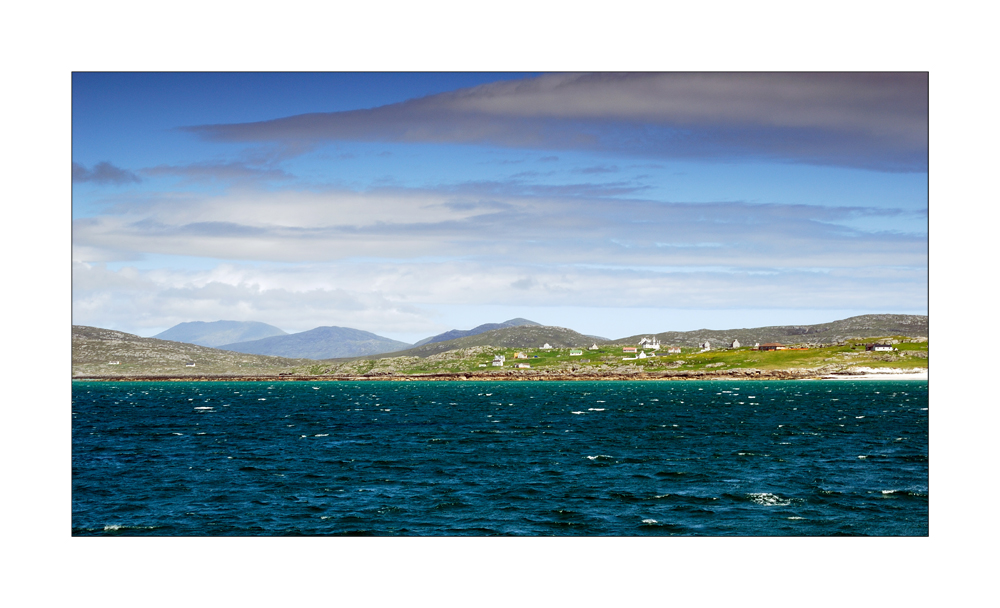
(853, 328)
(910, 354)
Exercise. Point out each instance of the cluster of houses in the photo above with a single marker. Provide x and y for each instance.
(639, 352)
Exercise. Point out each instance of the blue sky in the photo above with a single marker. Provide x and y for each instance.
(407, 204)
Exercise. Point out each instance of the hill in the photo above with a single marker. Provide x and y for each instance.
(217, 333)
(320, 343)
(521, 336)
(94, 349)
(864, 326)
(475, 331)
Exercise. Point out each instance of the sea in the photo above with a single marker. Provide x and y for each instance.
(612, 458)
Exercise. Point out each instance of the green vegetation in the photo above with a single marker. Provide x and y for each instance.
(909, 355)
(95, 349)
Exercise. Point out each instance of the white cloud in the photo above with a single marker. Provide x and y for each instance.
(402, 298)
(406, 224)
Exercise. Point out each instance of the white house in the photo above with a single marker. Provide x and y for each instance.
(705, 346)
(523, 365)
(498, 360)
(652, 343)
(674, 350)
(735, 344)
(546, 346)
(594, 347)
(113, 363)
(878, 347)
(575, 352)
(189, 364)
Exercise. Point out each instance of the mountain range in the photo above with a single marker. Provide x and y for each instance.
(319, 343)
(217, 333)
(103, 352)
(343, 342)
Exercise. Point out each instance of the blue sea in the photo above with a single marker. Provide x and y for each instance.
(658, 458)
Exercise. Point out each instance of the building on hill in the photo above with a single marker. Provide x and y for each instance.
(523, 366)
(705, 345)
(673, 350)
(878, 347)
(652, 343)
(498, 360)
(773, 346)
(520, 356)
(594, 347)
(735, 344)
(629, 349)
(575, 352)
(546, 346)
(189, 364)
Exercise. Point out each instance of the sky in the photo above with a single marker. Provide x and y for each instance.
(408, 204)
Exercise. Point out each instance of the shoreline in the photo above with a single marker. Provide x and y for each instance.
(522, 376)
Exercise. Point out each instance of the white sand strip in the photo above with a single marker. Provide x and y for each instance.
(873, 374)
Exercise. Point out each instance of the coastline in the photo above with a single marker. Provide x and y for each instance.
(539, 376)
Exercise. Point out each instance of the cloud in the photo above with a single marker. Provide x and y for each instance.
(104, 173)
(401, 297)
(325, 226)
(217, 171)
(599, 169)
(868, 120)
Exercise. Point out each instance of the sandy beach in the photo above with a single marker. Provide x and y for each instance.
(869, 373)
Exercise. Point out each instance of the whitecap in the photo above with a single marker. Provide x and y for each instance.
(323, 435)
(204, 407)
(769, 500)
(650, 521)
(596, 409)
(578, 412)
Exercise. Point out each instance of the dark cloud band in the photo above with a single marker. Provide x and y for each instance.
(866, 120)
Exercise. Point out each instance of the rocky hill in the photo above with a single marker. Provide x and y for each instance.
(106, 352)
(860, 327)
(217, 333)
(464, 333)
(320, 343)
(523, 336)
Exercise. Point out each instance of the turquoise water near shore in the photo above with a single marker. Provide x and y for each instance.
(715, 458)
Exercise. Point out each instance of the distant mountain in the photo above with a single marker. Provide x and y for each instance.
(218, 333)
(320, 343)
(864, 326)
(107, 352)
(521, 336)
(463, 333)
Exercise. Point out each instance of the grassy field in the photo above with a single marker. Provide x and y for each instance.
(908, 355)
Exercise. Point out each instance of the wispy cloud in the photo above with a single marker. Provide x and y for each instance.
(218, 171)
(870, 120)
(306, 226)
(104, 173)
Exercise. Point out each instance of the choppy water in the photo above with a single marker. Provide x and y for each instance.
(481, 458)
